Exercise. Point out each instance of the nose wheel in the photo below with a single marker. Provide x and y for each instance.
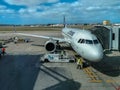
(86, 64)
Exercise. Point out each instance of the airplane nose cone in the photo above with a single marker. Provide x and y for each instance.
(96, 56)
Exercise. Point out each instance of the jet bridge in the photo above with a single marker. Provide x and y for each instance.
(103, 34)
(109, 36)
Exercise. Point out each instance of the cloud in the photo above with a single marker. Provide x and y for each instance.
(4, 10)
(2, 7)
(29, 2)
(100, 4)
(79, 11)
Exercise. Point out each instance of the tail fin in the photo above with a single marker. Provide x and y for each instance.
(64, 21)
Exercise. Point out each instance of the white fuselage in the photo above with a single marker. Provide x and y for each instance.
(84, 43)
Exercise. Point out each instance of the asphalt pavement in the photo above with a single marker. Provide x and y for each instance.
(18, 72)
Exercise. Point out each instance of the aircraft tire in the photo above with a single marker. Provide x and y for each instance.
(46, 60)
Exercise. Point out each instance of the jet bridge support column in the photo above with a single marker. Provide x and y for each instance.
(110, 36)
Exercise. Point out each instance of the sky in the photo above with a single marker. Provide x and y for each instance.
(52, 11)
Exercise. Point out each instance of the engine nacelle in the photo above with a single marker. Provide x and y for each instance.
(50, 46)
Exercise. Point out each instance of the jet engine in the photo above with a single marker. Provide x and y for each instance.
(50, 46)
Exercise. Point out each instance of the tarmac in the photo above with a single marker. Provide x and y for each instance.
(20, 68)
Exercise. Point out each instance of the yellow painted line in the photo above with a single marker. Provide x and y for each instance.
(112, 81)
(96, 81)
(92, 75)
(94, 78)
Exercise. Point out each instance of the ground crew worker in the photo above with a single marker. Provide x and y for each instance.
(62, 54)
(3, 51)
(80, 63)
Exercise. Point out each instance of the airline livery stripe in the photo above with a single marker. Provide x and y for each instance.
(71, 33)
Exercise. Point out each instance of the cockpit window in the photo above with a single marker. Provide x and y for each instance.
(95, 41)
(85, 41)
(81, 41)
(89, 42)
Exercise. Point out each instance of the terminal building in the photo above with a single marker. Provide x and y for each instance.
(108, 35)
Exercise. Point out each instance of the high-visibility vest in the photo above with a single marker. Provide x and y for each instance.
(79, 61)
(3, 49)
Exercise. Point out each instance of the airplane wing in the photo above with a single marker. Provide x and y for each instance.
(45, 37)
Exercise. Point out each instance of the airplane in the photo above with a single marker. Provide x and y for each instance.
(83, 42)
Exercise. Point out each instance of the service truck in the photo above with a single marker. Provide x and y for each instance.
(20, 40)
(57, 57)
